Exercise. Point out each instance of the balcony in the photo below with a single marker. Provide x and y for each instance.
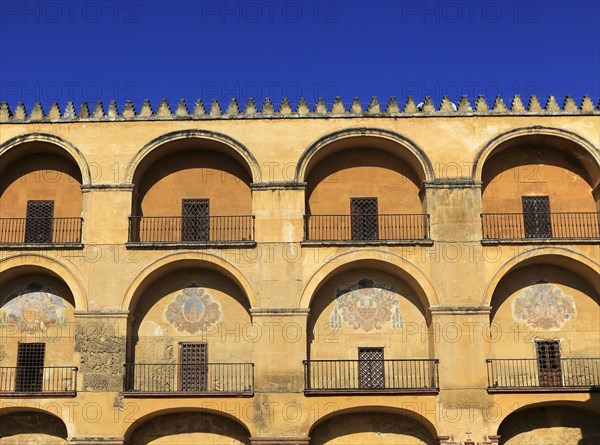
(178, 231)
(367, 229)
(355, 377)
(532, 375)
(189, 380)
(36, 232)
(38, 381)
(528, 227)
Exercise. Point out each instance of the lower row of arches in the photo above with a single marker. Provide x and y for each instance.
(530, 425)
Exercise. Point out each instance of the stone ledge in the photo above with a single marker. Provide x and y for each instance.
(192, 245)
(361, 243)
(526, 241)
(186, 394)
(557, 389)
(41, 246)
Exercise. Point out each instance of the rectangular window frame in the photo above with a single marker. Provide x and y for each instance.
(371, 368)
(195, 220)
(39, 221)
(364, 218)
(29, 377)
(537, 221)
(549, 363)
(193, 366)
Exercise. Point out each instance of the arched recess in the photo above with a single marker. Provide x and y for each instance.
(377, 425)
(177, 426)
(367, 299)
(546, 296)
(551, 422)
(563, 257)
(541, 164)
(388, 141)
(174, 261)
(20, 426)
(41, 176)
(201, 175)
(185, 299)
(377, 259)
(27, 144)
(22, 264)
(37, 313)
(363, 171)
(584, 150)
(215, 141)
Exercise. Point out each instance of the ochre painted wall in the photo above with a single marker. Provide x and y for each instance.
(41, 177)
(441, 287)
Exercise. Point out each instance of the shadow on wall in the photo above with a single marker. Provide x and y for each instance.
(373, 428)
(187, 428)
(30, 427)
(553, 424)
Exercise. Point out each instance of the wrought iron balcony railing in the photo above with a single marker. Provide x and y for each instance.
(356, 376)
(191, 229)
(536, 375)
(189, 379)
(40, 230)
(371, 227)
(520, 226)
(22, 381)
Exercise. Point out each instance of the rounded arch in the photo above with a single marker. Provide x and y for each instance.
(584, 150)
(386, 261)
(180, 410)
(52, 412)
(426, 423)
(176, 261)
(65, 147)
(148, 152)
(17, 264)
(563, 257)
(419, 159)
(563, 413)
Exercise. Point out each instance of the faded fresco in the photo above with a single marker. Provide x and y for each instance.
(366, 305)
(34, 309)
(544, 306)
(193, 310)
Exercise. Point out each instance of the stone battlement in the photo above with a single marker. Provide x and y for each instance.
(427, 108)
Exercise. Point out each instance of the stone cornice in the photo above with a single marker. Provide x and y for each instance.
(117, 187)
(279, 311)
(275, 185)
(460, 183)
(101, 314)
(478, 107)
(459, 310)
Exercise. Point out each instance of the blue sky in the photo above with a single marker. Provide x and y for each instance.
(132, 50)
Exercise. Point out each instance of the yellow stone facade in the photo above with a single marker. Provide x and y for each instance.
(334, 276)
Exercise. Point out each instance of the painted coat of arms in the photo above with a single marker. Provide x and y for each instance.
(544, 306)
(366, 305)
(34, 309)
(193, 310)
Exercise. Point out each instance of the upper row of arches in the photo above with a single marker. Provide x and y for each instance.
(587, 156)
(425, 292)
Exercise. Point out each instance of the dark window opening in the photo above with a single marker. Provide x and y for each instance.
(38, 228)
(195, 224)
(193, 366)
(371, 372)
(548, 358)
(364, 218)
(536, 216)
(30, 367)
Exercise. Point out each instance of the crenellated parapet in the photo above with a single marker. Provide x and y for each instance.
(426, 108)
